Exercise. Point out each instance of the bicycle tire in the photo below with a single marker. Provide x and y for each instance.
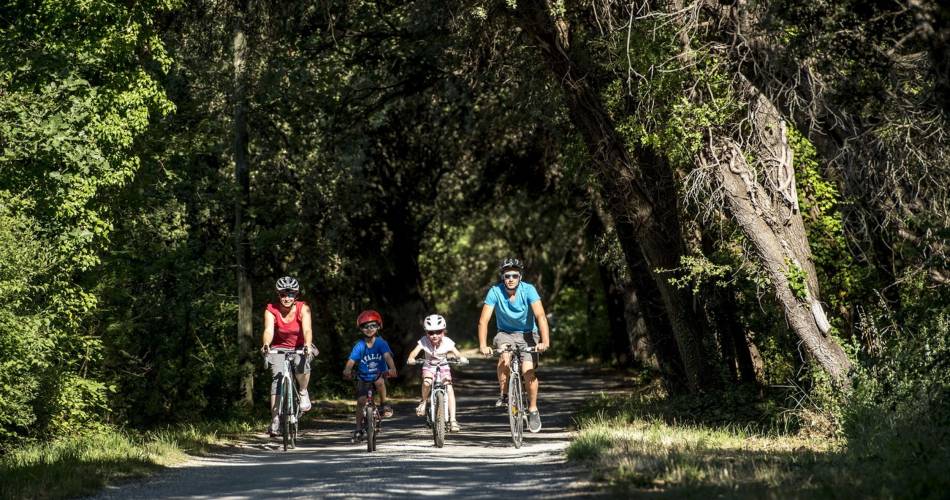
(438, 426)
(295, 416)
(370, 421)
(284, 416)
(516, 411)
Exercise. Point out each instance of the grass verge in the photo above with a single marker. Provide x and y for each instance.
(640, 446)
(81, 465)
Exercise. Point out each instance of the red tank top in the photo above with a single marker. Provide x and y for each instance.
(287, 335)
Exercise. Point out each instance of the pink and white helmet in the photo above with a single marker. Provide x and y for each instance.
(434, 322)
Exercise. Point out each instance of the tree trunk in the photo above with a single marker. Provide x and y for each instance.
(629, 181)
(620, 347)
(744, 201)
(245, 323)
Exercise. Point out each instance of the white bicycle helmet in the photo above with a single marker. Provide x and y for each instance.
(287, 283)
(434, 322)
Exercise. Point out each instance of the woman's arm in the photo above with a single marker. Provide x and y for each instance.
(268, 336)
(306, 326)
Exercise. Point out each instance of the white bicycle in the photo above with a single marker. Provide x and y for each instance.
(437, 411)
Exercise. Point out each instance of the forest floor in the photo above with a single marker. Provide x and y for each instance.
(480, 461)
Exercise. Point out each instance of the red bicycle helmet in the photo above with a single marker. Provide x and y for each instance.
(367, 316)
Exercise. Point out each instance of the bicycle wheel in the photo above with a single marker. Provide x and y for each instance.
(284, 414)
(370, 421)
(294, 412)
(516, 411)
(438, 420)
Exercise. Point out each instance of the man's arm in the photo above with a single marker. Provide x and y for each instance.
(483, 329)
(268, 336)
(542, 320)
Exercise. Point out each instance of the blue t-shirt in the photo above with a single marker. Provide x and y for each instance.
(369, 360)
(513, 315)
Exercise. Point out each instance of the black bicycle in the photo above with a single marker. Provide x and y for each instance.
(288, 404)
(517, 410)
(372, 419)
(437, 411)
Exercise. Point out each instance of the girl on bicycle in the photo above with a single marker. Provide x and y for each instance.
(370, 356)
(437, 347)
(287, 325)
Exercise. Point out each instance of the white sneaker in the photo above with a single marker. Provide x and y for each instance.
(305, 401)
(421, 409)
(274, 426)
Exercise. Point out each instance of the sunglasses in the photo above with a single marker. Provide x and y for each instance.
(511, 276)
(369, 326)
(438, 332)
(289, 295)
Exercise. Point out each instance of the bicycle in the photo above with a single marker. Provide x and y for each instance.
(288, 404)
(437, 411)
(517, 411)
(371, 418)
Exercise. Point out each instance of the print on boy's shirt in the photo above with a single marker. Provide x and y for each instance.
(370, 360)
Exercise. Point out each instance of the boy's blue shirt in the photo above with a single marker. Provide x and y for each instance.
(369, 360)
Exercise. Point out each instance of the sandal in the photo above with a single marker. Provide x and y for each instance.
(454, 426)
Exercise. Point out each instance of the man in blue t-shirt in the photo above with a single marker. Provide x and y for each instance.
(519, 317)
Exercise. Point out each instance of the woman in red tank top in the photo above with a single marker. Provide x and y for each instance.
(287, 325)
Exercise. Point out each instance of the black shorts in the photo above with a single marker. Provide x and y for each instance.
(363, 387)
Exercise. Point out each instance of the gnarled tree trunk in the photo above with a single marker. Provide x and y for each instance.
(638, 184)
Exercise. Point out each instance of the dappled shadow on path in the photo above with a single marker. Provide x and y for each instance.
(478, 462)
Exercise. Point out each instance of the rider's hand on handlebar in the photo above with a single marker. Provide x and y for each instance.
(265, 349)
(463, 360)
(347, 374)
(485, 350)
(411, 361)
(541, 347)
(391, 373)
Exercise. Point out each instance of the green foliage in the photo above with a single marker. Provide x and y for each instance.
(77, 88)
(698, 270)
(797, 280)
(897, 418)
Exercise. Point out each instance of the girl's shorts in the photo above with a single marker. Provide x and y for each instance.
(429, 372)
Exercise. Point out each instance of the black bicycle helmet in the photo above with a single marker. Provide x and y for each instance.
(510, 263)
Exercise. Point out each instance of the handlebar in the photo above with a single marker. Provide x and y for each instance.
(509, 348)
(442, 362)
(281, 350)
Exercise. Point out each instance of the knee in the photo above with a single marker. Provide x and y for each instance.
(427, 383)
(529, 375)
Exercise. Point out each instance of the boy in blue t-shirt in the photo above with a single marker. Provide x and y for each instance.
(369, 355)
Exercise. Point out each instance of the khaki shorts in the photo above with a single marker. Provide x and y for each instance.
(276, 363)
(528, 339)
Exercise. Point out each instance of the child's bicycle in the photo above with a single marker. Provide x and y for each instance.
(517, 409)
(288, 404)
(371, 418)
(437, 411)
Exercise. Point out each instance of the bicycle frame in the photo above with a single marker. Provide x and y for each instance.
(438, 393)
(288, 407)
(517, 411)
(371, 418)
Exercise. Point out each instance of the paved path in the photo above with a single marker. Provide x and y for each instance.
(479, 462)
